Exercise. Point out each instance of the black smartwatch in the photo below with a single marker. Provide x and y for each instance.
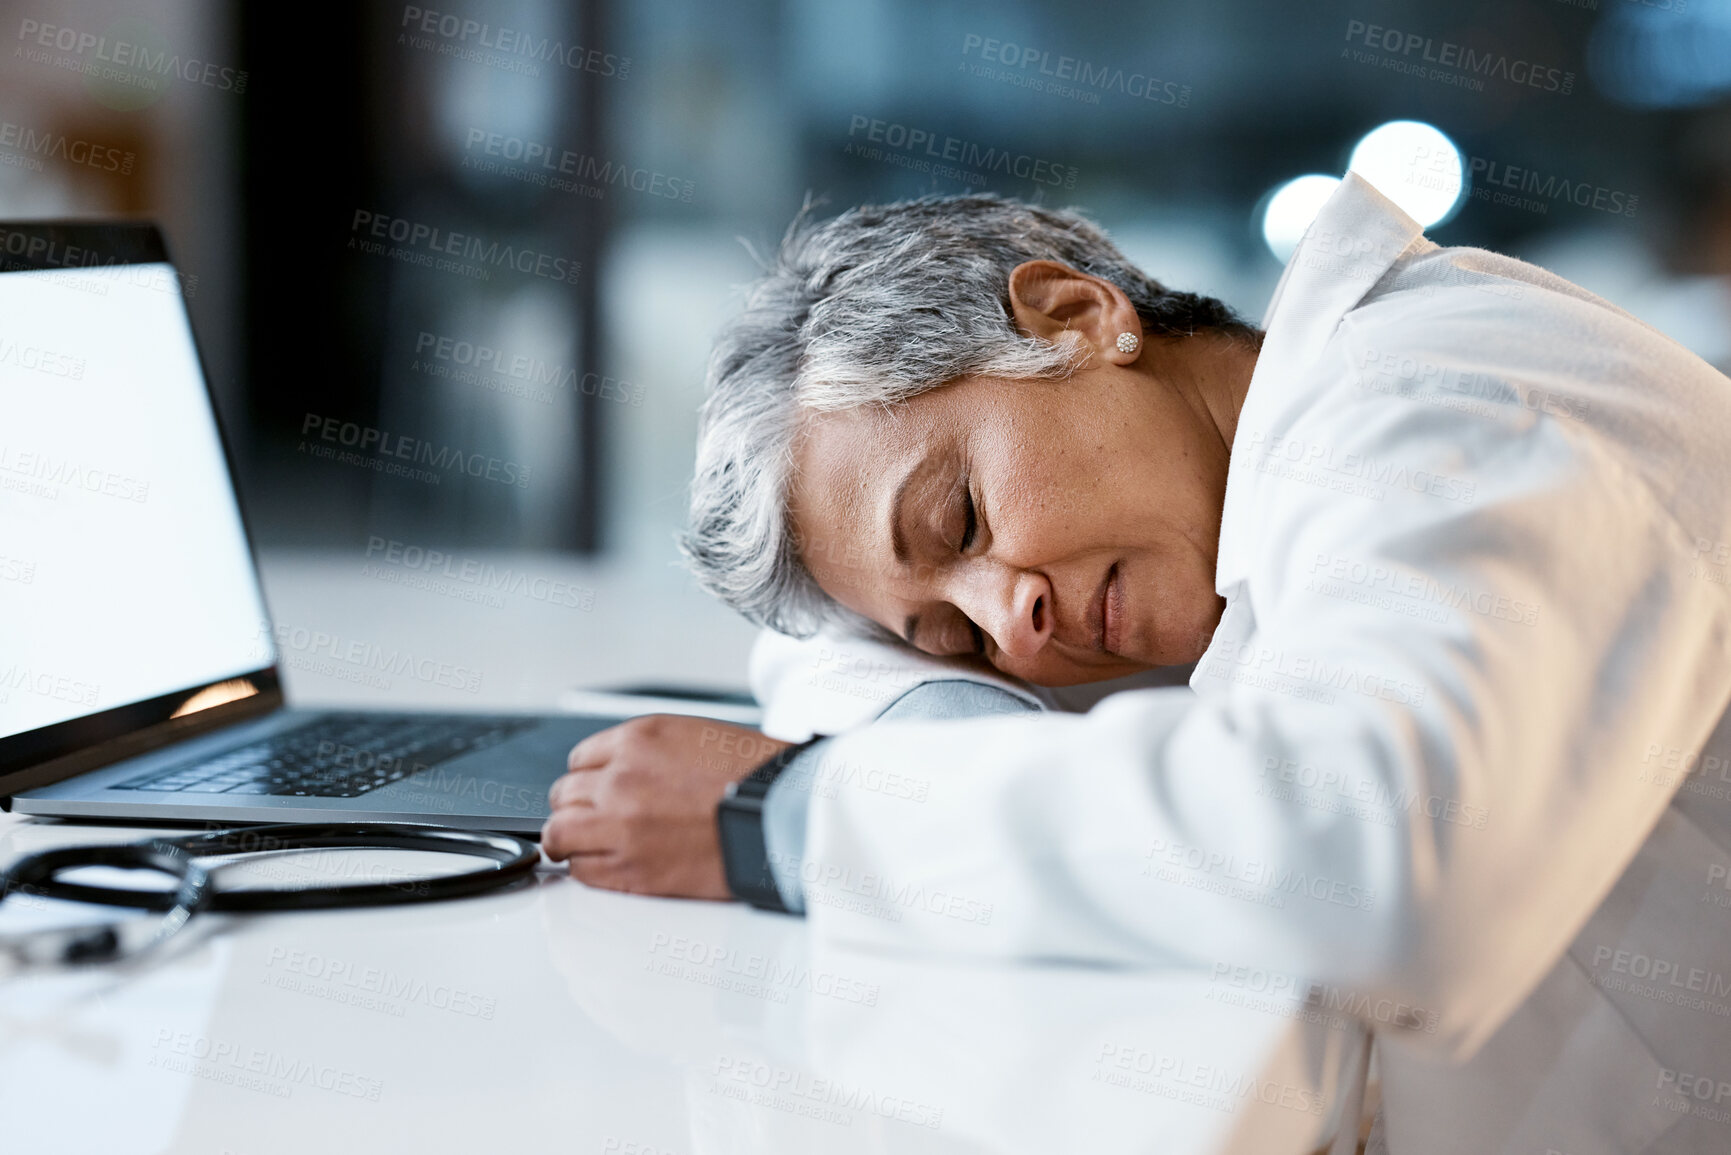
(739, 817)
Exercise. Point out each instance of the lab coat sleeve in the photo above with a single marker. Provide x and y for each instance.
(1413, 767)
(833, 682)
(787, 804)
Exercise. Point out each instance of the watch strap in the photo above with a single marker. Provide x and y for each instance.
(739, 821)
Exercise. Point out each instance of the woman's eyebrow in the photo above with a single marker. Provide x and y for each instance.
(898, 538)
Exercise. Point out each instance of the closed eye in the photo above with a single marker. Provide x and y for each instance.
(970, 520)
(970, 530)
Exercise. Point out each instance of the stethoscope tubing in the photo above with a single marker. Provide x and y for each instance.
(200, 891)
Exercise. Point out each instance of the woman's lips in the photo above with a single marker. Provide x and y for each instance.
(1108, 613)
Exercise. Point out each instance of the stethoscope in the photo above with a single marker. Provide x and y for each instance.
(197, 890)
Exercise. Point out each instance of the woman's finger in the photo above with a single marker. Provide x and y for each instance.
(572, 790)
(573, 832)
(594, 751)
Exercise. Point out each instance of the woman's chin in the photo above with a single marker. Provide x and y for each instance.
(1189, 640)
(1070, 674)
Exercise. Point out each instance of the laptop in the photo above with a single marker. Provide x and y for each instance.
(138, 666)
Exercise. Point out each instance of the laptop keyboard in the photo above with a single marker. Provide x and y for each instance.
(334, 756)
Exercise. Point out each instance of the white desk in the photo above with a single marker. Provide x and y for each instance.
(553, 1017)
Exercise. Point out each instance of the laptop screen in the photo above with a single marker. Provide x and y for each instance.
(125, 572)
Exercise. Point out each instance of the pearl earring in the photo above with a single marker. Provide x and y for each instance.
(1128, 342)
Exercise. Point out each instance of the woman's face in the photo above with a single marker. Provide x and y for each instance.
(1064, 530)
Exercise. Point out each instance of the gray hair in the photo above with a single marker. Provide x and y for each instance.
(872, 307)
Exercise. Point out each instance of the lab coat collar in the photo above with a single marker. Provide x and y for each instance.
(1352, 242)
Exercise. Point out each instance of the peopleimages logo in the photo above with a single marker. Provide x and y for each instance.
(371, 657)
(762, 976)
(1312, 786)
(39, 360)
(1293, 997)
(880, 896)
(423, 244)
(1351, 472)
(804, 1094)
(1386, 578)
(1462, 65)
(381, 981)
(472, 572)
(42, 474)
(540, 163)
(923, 146)
(1304, 675)
(540, 379)
(121, 60)
(59, 146)
(223, 1061)
(1169, 860)
(463, 38)
(1069, 76)
(1491, 177)
(36, 251)
(48, 685)
(1204, 1084)
(391, 448)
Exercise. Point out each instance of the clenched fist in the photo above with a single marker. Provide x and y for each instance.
(636, 811)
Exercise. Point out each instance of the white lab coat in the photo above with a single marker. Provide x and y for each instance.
(1477, 635)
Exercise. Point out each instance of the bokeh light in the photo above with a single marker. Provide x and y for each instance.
(1415, 165)
(1291, 208)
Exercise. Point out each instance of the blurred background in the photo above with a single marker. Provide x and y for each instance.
(512, 229)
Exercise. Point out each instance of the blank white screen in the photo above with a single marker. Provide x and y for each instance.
(124, 569)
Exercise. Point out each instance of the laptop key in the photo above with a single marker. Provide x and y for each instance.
(334, 756)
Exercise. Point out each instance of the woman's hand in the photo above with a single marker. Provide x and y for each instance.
(636, 811)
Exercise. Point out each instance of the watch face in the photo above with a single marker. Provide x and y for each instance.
(744, 857)
(739, 829)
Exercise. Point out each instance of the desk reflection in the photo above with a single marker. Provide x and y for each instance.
(555, 1017)
(790, 1050)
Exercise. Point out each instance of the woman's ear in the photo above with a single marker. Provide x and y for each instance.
(1050, 299)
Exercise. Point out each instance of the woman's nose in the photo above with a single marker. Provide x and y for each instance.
(1020, 618)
